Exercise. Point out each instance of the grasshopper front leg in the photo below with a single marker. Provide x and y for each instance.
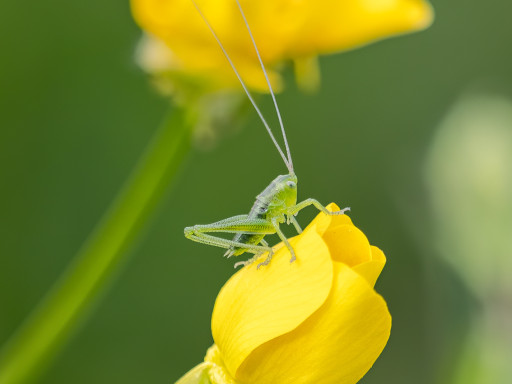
(298, 207)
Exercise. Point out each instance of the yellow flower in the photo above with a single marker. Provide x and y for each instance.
(317, 320)
(284, 30)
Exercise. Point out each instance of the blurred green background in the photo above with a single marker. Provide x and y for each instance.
(76, 113)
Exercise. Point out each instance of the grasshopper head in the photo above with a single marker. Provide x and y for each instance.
(287, 189)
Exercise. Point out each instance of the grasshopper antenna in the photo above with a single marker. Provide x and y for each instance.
(289, 165)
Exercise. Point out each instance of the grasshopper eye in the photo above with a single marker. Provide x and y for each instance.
(291, 184)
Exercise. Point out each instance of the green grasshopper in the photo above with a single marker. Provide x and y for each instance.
(277, 203)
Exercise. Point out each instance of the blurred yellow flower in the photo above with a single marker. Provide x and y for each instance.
(317, 320)
(284, 30)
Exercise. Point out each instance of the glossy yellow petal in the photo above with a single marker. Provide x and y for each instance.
(372, 269)
(257, 305)
(336, 345)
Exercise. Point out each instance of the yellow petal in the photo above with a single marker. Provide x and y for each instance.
(257, 305)
(372, 269)
(179, 25)
(322, 221)
(336, 345)
(283, 30)
(347, 244)
(334, 25)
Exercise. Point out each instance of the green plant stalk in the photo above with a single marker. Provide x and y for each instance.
(69, 301)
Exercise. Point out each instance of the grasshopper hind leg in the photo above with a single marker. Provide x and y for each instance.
(257, 256)
(247, 262)
(230, 252)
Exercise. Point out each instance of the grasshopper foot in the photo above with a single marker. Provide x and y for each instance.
(246, 262)
(341, 211)
(292, 252)
(241, 263)
(267, 260)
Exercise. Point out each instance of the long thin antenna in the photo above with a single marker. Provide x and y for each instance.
(288, 165)
(290, 168)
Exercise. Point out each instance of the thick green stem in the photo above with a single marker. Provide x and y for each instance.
(52, 323)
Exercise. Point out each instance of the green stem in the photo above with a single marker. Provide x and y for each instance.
(52, 323)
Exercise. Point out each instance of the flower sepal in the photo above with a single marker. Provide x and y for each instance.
(211, 371)
(197, 375)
